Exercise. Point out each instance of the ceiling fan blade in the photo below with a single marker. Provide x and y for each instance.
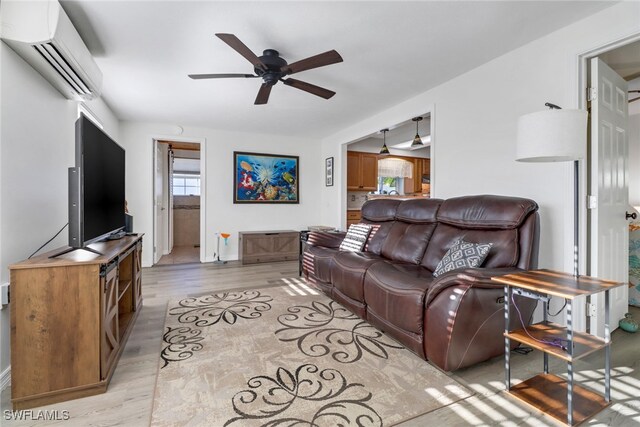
(219, 76)
(242, 49)
(320, 60)
(308, 87)
(263, 94)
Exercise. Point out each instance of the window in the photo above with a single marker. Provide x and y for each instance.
(186, 185)
(388, 184)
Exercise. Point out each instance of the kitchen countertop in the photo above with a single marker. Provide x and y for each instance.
(396, 196)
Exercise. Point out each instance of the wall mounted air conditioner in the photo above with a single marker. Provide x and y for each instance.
(42, 34)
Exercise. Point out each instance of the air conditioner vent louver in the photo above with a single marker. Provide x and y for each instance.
(44, 36)
(61, 65)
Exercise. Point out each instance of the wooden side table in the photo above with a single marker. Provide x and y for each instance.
(549, 393)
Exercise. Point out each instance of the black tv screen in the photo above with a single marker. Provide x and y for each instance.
(100, 165)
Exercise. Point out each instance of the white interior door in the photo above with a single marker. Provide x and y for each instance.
(158, 208)
(609, 166)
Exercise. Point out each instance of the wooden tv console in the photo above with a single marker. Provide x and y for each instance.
(70, 320)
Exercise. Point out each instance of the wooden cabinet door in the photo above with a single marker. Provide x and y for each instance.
(137, 277)
(417, 175)
(369, 171)
(110, 341)
(353, 171)
(426, 166)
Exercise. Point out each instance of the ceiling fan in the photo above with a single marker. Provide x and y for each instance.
(272, 68)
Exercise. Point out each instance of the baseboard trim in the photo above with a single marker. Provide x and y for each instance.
(5, 378)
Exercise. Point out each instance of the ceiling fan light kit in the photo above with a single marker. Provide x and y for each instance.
(417, 141)
(272, 68)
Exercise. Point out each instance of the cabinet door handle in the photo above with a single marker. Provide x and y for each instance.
(632, 215)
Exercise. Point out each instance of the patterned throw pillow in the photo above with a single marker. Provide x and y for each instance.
(374, 230)
(462, 255)
(356, 238)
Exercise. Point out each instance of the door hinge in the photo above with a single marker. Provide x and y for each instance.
(591, 310)
(592, 202)
(592, 94)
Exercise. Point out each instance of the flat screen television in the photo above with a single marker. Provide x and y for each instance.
(96, 187)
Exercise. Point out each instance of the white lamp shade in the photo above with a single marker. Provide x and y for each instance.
(552, 136)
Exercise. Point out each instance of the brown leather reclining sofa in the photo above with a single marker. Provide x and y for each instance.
(455, 320)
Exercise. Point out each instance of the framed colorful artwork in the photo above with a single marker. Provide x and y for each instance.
(265, 178)
(328, 173)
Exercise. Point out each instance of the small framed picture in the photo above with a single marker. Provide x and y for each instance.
(328, 174)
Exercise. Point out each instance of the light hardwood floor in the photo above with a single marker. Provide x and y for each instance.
(181, 255)
(129, 399)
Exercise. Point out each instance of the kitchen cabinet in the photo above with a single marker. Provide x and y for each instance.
(421, 167)
(362, 171)
(353, 217)
(426, 167)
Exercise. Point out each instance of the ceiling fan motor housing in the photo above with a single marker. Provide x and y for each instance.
(274, 63)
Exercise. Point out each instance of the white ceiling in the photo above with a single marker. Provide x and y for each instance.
(392, 51)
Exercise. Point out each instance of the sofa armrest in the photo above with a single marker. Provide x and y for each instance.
(468, 277)
(326, 239)
(464, 317)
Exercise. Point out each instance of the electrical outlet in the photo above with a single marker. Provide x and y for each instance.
(4, 294)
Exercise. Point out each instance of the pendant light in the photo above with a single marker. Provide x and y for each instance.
(417, 142)
(384, 150)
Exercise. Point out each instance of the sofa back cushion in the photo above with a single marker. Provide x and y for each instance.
(403, 227)
(380, 210)
(407, 242)
(380, 213)
(503, 253)
(481, 219)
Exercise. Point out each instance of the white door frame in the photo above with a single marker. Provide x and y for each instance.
(203, 185)
(157, 251)
(583, 85)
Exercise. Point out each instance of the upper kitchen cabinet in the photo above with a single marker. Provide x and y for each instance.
(362, 171)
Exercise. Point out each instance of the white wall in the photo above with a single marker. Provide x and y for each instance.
(221, 214)
(37, 146)
(475, 118)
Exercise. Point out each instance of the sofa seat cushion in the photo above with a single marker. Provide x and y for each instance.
(348, 270)
(396, 292)
(321, 259)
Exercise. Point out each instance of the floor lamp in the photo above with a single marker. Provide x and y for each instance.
(556, 135)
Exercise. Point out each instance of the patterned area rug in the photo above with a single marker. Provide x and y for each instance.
(287, 356)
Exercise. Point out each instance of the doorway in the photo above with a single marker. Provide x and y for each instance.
(395, 162)
(613, 177)
(178, 201)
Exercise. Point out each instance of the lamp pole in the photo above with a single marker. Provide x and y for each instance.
(576, 207)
